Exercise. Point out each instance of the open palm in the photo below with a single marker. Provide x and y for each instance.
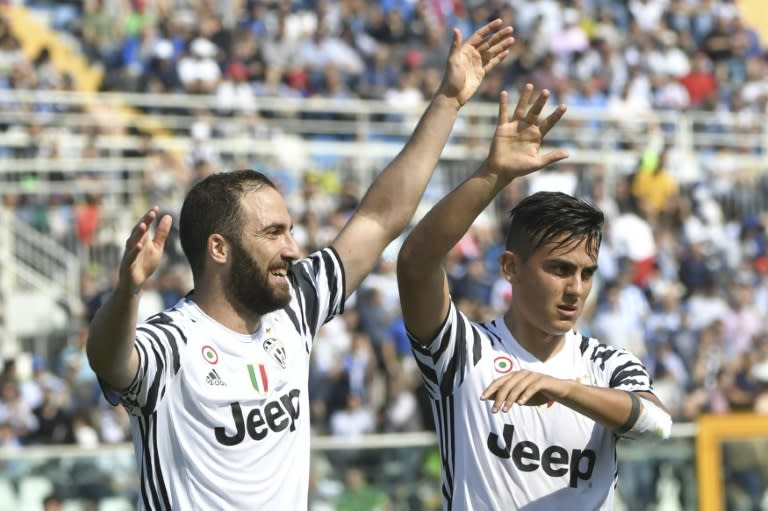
(143, 253)
(469, 62)
(517, 141)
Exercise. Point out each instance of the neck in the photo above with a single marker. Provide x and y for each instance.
(538, 343)
(219, 307)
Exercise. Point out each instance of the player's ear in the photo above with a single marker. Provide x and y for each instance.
(218, 248)
(510, 265)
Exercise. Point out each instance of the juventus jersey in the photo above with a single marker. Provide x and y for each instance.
(533, 458)
(220, 420)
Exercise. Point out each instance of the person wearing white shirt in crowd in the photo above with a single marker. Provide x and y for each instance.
(198, 70)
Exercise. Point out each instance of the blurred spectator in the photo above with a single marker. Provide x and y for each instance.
(700, 81)
(234, 93)
(612, 324)
(741, 322)
(354, 420)
(53, 502)
(198, 70)
(653, 185)
(54, 421)
(633, 241)
(15, 412)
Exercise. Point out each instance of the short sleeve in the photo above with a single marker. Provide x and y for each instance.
(158, 344)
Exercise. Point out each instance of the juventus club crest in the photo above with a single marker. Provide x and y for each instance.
(276, 350)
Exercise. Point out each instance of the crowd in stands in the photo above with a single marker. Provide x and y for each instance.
(683, 270)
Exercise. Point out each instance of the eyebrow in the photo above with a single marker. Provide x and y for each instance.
(278, 225)
(569, 264)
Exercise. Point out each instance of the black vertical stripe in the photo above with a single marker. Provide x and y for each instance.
(489, 329)
(175, 357)
(157, 388)
(445, 341)
(333, 261)
(477, 347)
(147, 489)
(330, 282)
(427, 372)
(163, 494)
(584, 344)
(294, 319)
(447, 472)
(299, 302)
(309, 302)
(142, 469)
(445, 421)
(456, 359)
(181, 335)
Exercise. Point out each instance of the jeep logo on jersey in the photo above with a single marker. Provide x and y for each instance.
(259, 378)
(555, 461)
(276, 350)
(274, 416)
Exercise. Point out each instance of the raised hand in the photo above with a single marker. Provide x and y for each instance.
(143, 254)
(516, 143)
(468, 63)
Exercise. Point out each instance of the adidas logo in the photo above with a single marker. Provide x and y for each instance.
(213, 378)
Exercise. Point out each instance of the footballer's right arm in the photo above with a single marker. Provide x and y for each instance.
(110, 348)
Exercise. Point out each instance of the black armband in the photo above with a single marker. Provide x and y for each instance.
(634, 413)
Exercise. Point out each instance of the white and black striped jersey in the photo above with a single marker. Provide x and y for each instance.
(220, 420)
(533, 458)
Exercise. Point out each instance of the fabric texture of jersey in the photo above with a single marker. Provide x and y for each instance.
(220, 420)
(531, 457)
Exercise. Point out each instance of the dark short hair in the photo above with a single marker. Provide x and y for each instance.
(544, 216)
(213, 206)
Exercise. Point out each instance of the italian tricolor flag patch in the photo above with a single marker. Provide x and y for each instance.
(259, 380)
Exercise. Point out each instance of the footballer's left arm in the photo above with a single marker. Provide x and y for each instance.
(631, 414)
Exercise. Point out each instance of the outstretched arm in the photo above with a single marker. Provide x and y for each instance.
(514, 152)
(391, 201)
(110, 346)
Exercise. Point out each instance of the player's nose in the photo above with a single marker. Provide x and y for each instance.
(291, 249)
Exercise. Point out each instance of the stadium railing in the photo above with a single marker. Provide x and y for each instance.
(404, 468)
